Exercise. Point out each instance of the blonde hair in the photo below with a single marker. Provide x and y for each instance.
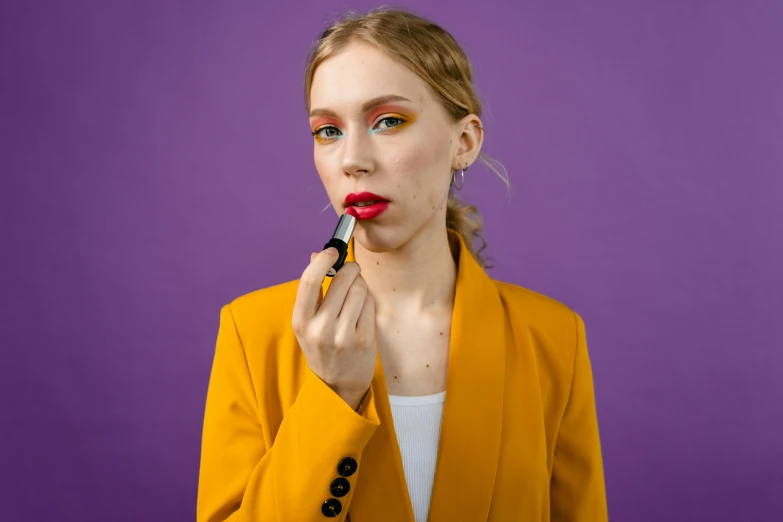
(436, 57)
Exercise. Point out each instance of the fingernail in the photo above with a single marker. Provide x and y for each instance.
(331, 251)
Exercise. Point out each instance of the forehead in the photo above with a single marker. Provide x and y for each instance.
(361, 72)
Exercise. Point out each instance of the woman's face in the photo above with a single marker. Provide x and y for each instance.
(378, 129)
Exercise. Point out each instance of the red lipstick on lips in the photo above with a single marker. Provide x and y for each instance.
(367, 211)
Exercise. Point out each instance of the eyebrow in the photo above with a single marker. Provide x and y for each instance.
(366, 106)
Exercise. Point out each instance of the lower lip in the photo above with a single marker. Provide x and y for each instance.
(370, 211)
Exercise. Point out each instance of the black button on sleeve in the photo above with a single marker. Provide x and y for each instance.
(331, 508)
(347, 467)
(340, 487)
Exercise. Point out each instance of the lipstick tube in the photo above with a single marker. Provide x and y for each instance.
(342, 234)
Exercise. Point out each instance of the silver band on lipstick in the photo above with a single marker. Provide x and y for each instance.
(345, 228)
(339, 240)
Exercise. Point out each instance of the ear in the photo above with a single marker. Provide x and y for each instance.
(470, 136)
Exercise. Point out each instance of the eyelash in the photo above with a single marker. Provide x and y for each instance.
(315, 132)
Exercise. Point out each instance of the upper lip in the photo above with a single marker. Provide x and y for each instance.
(357, 197)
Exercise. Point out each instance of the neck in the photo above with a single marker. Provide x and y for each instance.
(419, 277)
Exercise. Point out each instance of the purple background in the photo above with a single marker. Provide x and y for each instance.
(151, 149)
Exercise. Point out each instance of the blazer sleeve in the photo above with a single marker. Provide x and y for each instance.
(577, 491)
(240, 478)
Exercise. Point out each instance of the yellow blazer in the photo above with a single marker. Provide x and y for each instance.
(519, 436)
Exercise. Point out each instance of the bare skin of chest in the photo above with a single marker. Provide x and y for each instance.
(415, 354)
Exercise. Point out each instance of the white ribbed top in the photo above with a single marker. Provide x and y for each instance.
(417, 422)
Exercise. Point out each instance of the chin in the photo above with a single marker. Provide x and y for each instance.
(379, 238)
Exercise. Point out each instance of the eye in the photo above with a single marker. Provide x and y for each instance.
(390, 119)
(332, 132)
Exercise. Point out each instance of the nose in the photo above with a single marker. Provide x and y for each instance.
(358, 154)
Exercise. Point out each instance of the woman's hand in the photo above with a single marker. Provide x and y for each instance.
(337, 332)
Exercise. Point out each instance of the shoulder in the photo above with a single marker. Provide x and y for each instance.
(551, 328)
(539, 310)
(265, 310)
(264, 297)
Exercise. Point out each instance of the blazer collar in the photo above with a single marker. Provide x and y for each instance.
(472, 414)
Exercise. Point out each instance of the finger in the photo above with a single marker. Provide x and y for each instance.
(320, 297)
(338, 290)
(352, 307)
(366, 324)
(309, 295)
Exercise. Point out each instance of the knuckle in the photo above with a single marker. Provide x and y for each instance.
(319, 332)
(340, 340)
(315, 341)
(308, 282)
(361, 340)
(358, 289)
(298, 326)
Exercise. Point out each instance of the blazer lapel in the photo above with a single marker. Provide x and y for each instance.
(472, 415)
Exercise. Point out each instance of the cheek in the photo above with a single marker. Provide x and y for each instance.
(421, 160)
(407, 166)
(322, 167)
(327, 180)
(420, 171)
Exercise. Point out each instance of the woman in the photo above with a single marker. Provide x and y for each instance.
(327, 397)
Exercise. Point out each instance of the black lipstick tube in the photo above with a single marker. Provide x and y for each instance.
(342, 234)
